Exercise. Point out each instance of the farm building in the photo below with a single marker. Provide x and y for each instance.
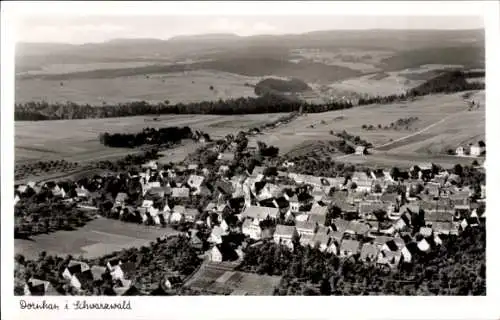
(360, 150)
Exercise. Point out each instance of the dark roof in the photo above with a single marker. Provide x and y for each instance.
(227, 251)
(128, 269)
(85, 278)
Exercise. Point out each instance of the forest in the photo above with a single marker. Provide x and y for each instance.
(447, 82)
(148, 136)
(267, 103)
(271, 85)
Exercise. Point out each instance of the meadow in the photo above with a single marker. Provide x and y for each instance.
(78, 140)
(444, 123)
(189, 86)
(98, 237)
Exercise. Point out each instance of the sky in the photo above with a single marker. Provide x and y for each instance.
(79, 29)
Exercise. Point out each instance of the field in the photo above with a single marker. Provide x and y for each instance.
(98, 237)
(215, 278)
(190, 86)
(444, 122)
(78, 140)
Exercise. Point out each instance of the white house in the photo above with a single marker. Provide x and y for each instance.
(476, 150)
(252, 229)
(284, 235)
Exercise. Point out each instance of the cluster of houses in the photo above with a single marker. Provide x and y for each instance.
(81, 275)
(367, 214)
(471, 150)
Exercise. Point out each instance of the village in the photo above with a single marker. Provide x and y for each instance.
(379, 216)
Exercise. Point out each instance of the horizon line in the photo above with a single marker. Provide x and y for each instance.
(246, 36)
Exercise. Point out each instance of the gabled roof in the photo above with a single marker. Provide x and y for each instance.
(340, 224)
(358, 227)
(261, 213)
(349, 246)
(180, 192)
(75, 266)
(319, 210)
(179, 209)
(40, 287)
(97, 272)
(121, 197)
(305, 226)
(283, 230)
(369, 251)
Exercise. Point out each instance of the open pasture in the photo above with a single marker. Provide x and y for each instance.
(449, 110)
(190, 86)
(98, 237)
(78, 140)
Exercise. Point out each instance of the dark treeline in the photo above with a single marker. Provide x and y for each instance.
(34, 111)
(448, 82)
(148, 136)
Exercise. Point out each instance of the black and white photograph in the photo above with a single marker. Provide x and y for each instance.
(247, 154)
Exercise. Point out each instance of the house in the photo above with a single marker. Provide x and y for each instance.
(294, 203)
(260, 213)
(299, 217)
(319, 219)
(423, 245)
(216, 235)
(193, 167)
(73, 268)
(258, 170)
(178, 213)
(226, 156)
(97, 272)
(432, 189)
(349, 247)
(284, 235)
(426, 232)
(340, 225)
(357, 228)
(36, 287)
(444, 228)
(322, 240)
(190, 214)
(223, 252)
(366, 209)
(251, 229)
(78, 274)
(120, 199)
(181, 193)
(360, 150)
(389, 258)
(476, 150)
(252, 146)
(171, 281)
(462, 151)
(195, 182)
(369, 252)
(16, 199)
(306, 240)
(318, 194)
(305, 228)
(123, 271)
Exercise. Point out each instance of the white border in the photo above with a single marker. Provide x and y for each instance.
(277, 307)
